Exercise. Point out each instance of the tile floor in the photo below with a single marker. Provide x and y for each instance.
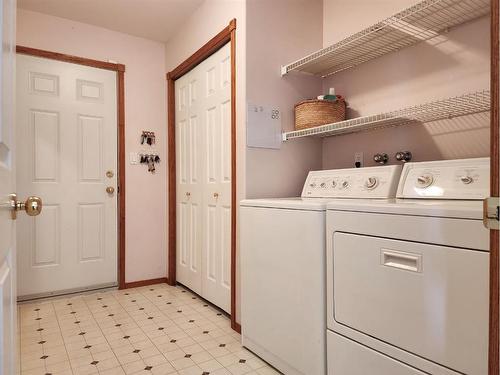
(153, 330)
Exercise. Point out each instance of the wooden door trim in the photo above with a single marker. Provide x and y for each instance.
(493, 355)
(227, 35)
(120, 88)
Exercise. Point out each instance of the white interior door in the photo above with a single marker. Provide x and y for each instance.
(189, 147)
(67, 147)
(7, 186)
(203, 150)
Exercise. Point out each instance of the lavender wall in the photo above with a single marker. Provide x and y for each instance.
(144, 109)
(449, 65)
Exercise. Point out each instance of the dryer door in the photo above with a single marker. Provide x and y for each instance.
(429, 300)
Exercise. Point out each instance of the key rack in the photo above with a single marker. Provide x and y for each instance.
(148, 137)
(150, 159)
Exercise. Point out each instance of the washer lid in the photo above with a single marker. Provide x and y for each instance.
(306, 204)
(461, 209)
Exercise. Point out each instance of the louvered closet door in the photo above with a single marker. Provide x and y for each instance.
(203, 136)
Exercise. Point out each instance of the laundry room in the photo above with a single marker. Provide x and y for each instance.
(226, 187)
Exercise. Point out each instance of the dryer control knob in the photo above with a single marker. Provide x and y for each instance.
(345, 184)
(371, 183)
(425, 181)
(323, 184)
(334, 183)
(467, 180)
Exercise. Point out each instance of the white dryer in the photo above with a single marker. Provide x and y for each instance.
(407, 279)
(282, 247)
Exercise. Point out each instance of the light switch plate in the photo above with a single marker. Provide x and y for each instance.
(134, 158)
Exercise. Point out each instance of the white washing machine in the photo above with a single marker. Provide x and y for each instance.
(407, 279)
(282, 244)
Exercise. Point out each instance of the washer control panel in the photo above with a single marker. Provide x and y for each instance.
(372, 182)
(446, 179)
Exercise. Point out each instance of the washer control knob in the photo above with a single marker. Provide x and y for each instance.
(403, 156)
(467, 180)
(381, 158)
(371, 183)
(425, 180)
(334, 183)
(313, 185)
(323, 184)
(345, 184)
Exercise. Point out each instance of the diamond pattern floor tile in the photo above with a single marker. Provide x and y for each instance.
(154, 330)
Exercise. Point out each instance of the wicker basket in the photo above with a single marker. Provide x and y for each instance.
(312, 113)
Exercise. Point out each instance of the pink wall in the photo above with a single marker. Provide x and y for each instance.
(266, 37)
(450, 65)
(278, 32)
(144, 109)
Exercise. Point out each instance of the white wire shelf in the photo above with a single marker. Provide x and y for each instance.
(423, 21)
(449, 108)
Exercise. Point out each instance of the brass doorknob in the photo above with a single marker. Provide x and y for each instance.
(32, 206)
(110, 190)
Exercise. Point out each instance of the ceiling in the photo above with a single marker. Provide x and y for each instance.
(151, 19)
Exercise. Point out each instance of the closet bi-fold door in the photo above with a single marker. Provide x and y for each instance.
(189, 144)
(203, 147)
(216, 158)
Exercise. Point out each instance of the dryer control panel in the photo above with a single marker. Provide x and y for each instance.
(372, 182)
(446, 179)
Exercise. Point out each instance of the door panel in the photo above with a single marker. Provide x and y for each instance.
(67, 128)
(7, 186)
(203, 148)
(189, 234)
(217, 189)
(438, 288)
(347, 357)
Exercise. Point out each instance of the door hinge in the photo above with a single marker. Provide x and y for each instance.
(491, 213)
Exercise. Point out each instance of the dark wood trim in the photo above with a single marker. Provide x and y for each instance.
(70, 58)
(234, 204)
(212, 46)
(228, 35)
(136, 284)
(120, 92)
(494, 347)
(172, 184)
(121, 179)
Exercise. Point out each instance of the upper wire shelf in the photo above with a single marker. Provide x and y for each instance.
(423, 21)
(449, 108)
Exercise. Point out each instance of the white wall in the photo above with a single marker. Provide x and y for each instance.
(279, 32)
(450, 65)
(146, 224)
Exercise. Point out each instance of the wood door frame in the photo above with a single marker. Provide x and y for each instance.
(120, 100)
(227, 35)
(493, 355)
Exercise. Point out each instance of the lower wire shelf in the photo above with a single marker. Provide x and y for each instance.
(466, 104)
